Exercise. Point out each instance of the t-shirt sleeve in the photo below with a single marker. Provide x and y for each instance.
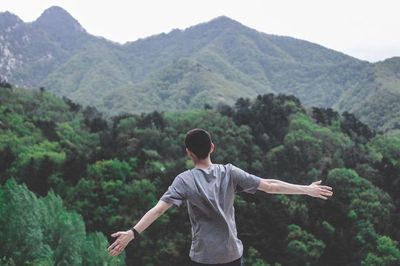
(244, 181)
(175, 193)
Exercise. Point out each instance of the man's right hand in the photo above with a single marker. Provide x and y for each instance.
(124, 237)
(319, 191)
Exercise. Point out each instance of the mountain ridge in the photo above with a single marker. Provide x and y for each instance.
(8, 19)
(57, 53)
(59, 10)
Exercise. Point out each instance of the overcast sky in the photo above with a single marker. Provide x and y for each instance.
(365, 29)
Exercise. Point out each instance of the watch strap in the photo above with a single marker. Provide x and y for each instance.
(135, 232)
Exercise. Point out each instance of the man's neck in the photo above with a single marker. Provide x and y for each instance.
(203, 164)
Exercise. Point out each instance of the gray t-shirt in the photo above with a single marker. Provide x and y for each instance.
(210, 196)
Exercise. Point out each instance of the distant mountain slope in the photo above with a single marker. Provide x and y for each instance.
(212, 62)
(378, 101)
(30, 52)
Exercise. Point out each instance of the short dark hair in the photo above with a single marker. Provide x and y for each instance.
(198, 141)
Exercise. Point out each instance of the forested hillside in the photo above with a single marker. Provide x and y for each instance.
(67, 173)
(380, 100)
(210, 63)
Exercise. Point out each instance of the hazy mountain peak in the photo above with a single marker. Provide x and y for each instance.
(58, 18)
(223, 22)
(8, 19)
(393, 59)
(224, 19)
(55, 11)
(392, 64)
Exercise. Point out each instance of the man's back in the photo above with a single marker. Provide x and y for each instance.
(210, 196)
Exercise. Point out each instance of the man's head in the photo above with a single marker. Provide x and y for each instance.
(198, 142)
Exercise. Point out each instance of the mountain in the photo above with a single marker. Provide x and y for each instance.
(213, 62)
(29, 52)
(380, 104)
(61, 28)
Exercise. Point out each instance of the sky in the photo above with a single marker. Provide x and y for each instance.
(365, 29)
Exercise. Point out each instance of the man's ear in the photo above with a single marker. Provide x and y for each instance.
(212, 147)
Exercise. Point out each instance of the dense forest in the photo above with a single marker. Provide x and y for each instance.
(70, 177)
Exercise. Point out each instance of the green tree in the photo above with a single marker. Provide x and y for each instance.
(303, 247)
(387, 253)
(40, 231)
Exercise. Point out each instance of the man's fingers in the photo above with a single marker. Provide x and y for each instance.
(322, 197)
(115, 250)
(118, 247)
(113, 245)
(326, 192)
(317, 182)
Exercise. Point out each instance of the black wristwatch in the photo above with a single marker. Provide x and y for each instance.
(135, 232)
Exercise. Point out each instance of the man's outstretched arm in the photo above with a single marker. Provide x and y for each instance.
(124, 237)
(275, 186)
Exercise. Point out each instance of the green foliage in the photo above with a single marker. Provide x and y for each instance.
(303, 246)
(360, 198)
(109, 170)
(330, 230)
(40, 231)
(253, 258)
(387, 146)
(307, 145)
(75, 138)
(379, 107)
(41, 150)
(110, 203)
(112, 171)
(268, 116)
(353, 127)
(94, 251)
(387, 253)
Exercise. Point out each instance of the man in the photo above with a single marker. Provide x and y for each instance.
(209, 190)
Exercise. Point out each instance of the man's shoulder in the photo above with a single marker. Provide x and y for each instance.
(185, 174)
(226, 166)
(218, 167)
